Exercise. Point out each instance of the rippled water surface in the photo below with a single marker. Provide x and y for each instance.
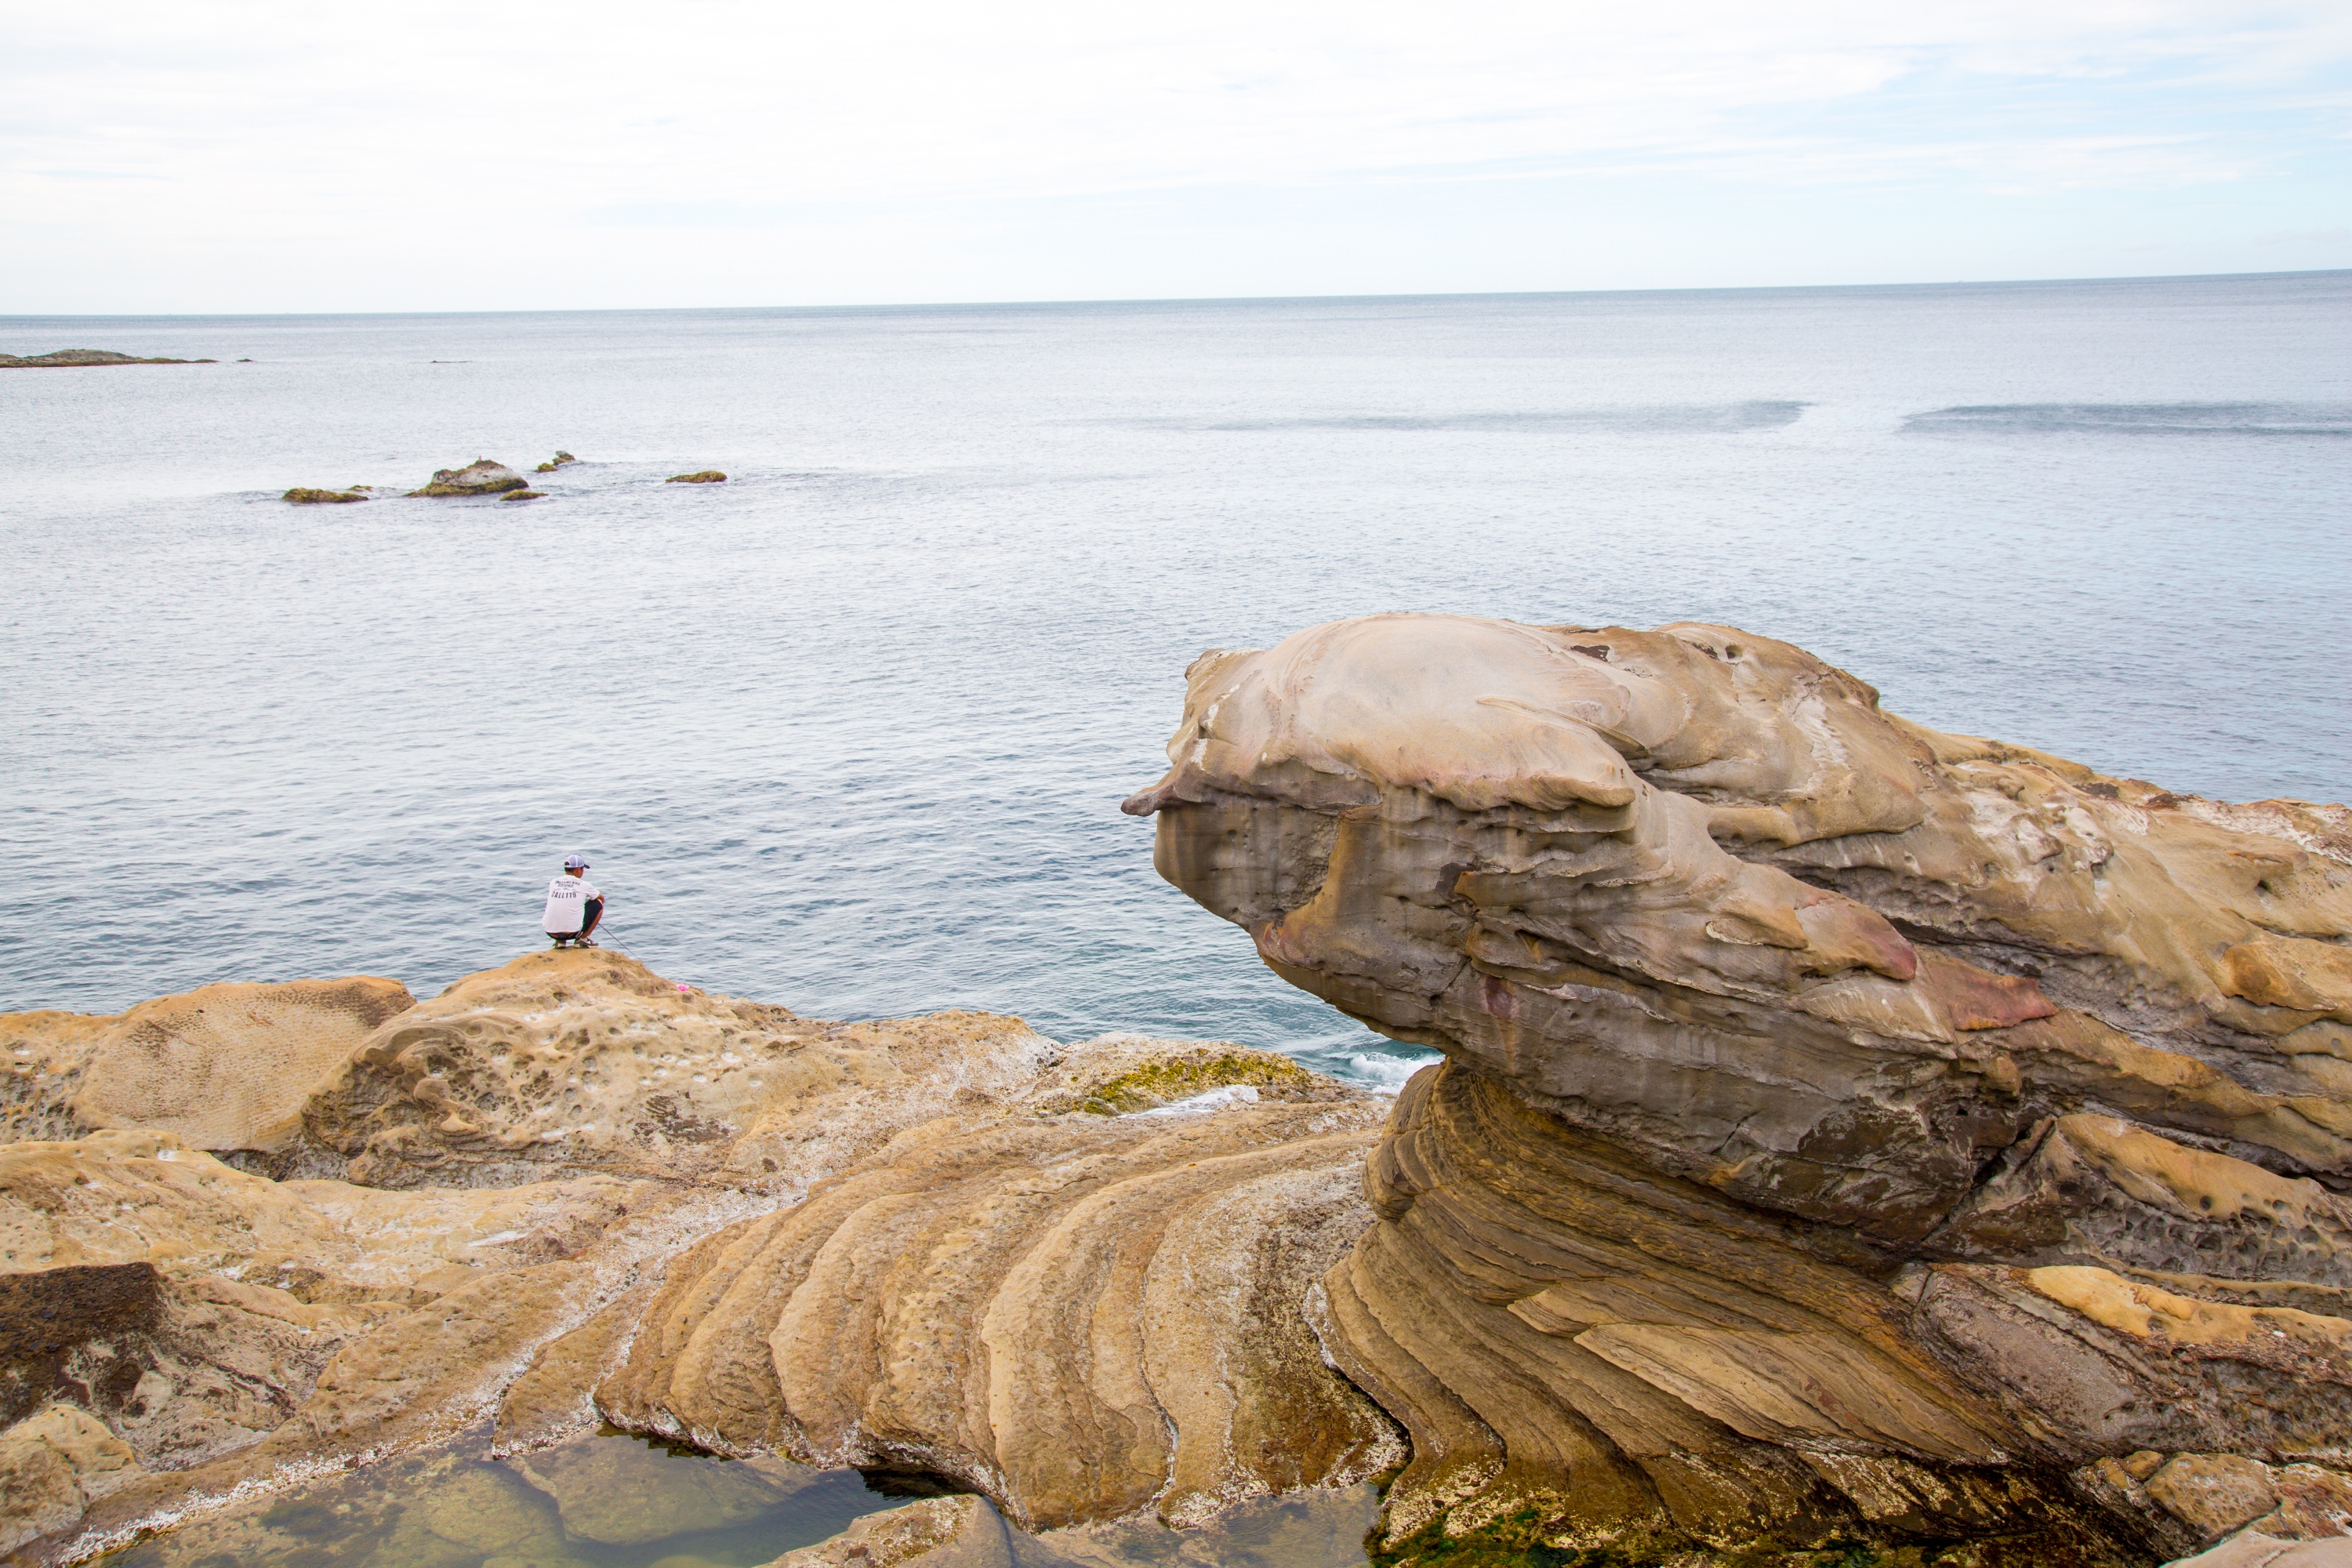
(849, 730)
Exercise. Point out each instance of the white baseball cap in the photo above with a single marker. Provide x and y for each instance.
(573, 863)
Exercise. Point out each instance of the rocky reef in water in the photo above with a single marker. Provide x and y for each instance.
(482, 477)
(1848, 1133)
(67, 359)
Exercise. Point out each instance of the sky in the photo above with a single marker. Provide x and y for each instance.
(254, 155)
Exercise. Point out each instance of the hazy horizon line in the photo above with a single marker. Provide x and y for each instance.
(1196, 298)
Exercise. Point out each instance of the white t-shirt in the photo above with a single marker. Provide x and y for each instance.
(565, 895)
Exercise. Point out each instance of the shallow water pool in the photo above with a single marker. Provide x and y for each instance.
(611, 1500)
(606, 1501)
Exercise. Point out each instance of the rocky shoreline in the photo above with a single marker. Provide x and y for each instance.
(327, 1222)
(1855, 1145)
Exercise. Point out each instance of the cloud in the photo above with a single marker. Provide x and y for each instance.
(748, 114)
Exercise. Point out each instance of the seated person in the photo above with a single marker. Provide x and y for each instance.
(574, 906)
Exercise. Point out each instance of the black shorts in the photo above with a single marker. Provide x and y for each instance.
(590, 913)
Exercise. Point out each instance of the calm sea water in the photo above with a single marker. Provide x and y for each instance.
(849, 732)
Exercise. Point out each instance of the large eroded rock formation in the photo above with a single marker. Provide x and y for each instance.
(1847, 1130)
(569, 1190)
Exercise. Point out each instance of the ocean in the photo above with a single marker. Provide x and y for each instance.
(848, 732)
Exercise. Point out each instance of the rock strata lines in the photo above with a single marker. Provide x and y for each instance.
(569, 1190)
(1847, 1130)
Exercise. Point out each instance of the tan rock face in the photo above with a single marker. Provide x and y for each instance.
(52, 1465)
(2252, 1549)
(226, 1066)
(1319, 1528)
(1847, 1127)
(571, 1061)
(940, 1532)
(1076, 1275)
(119, 1197)
(1081, 1316)
(183, 1370)
(2214, 1493)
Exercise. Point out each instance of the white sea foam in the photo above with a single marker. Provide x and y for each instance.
(1386, 1074)
(1202, 1103)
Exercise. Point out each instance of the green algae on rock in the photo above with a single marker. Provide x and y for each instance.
(1164, 1080)
(704, 477)
(302, 496)
(482, 477)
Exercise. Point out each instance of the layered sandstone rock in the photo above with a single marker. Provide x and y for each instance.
(1848, 1130)
(1081, 1317)
(1071, 1275)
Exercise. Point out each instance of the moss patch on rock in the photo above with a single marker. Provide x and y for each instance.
(482, 477)
(1167, 1080)
(1540, 1538)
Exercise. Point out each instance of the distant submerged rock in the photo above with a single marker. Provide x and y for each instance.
(482, 477)
(705, 476)
(66, 358)
(302, 496)
(560, 460)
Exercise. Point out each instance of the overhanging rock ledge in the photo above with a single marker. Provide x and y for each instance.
(1847, 1130)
